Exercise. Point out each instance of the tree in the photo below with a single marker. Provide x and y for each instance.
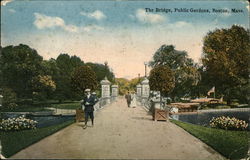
(161, 78)
(133, 82)
(50, 68)
(184, 69)
(226, 57)
(66, 65)
(18, 65)
(9, 99)
(186, 80)
(82, 78)
(123, 84)
(43, 86)
(102, 71)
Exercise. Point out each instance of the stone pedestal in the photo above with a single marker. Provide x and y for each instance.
(138, 92)
(105, 90)
(114, 92)
(145, 90)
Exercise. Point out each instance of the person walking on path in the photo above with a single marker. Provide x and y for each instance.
(95, 99)
(128, 98)
(133, 100)
(89, 102)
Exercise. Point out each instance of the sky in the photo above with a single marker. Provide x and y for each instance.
(123, 33)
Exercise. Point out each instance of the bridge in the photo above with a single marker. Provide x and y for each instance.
(121, 133)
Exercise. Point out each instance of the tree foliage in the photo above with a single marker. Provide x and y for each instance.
(184, 69)
(226, 57)
(123, 84)
(9, 99)
(43, 86)
(133, 82)
(127, 85)
(19, 64)
(66, 65)
(161, 78)
(102, 71)
(82, 78)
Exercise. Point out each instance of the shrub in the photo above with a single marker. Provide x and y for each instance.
(16, 124)
(228, 123)
(9, 99)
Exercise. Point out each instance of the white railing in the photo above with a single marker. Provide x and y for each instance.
(102, 102)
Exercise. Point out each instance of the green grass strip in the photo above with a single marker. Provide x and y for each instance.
(231, 144)
(12, 142)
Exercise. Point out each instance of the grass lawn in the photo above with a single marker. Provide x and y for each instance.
(73, 105)
(12, 142)
(231, 144)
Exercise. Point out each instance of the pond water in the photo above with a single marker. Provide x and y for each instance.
(43, 120)
(203, 118)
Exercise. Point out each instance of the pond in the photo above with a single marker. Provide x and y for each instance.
(43, 120)
(203, 118)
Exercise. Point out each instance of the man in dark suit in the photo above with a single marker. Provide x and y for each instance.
(128, 98)
(89, 102)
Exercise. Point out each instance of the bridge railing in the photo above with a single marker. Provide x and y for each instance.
(151, 102)
(102, 102)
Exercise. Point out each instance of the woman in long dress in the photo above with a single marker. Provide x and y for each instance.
(133, 100)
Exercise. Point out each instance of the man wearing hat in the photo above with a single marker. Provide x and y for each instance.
(95, 98)
(88, 102)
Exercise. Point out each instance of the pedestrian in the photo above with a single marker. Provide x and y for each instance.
(133, 100)
(95, 99)
(88, 102)
(128, 98)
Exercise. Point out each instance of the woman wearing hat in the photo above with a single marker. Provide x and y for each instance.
(133, 100)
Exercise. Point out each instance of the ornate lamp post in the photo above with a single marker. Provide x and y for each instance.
(145, 63)
(145, 86)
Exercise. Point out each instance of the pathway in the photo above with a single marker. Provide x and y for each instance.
(121, 133)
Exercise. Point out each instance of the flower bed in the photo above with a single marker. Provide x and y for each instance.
(16, 124)
(228, 123)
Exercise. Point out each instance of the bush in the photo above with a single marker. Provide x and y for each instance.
(16, 124)
(228, 123)
(9, 99)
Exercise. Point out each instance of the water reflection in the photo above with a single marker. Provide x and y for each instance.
(45, 121)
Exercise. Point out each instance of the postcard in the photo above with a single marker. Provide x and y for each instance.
(123, 79)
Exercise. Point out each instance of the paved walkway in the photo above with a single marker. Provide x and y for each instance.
(121, 133)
